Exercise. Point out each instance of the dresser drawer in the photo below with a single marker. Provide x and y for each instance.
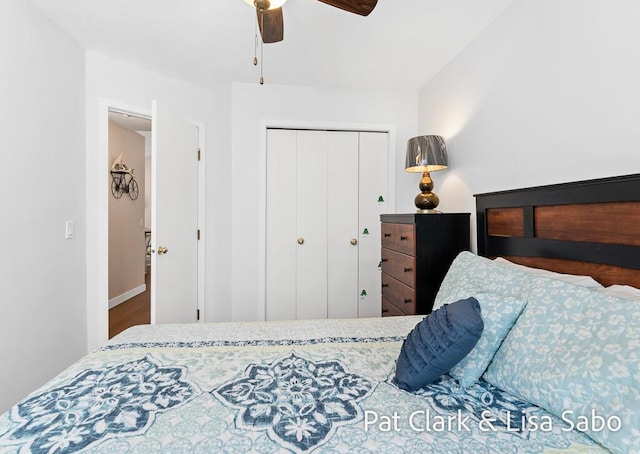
(388, 235)
(405, 238)
(402, 296)
(400, 266)
(389, 310)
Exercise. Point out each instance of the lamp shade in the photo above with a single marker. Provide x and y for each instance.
(426, 154)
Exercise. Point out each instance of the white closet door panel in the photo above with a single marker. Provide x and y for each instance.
(312, 225)
(373, 185)
(281, 231)
(342, 221)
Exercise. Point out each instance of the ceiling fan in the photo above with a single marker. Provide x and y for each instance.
(269, 13)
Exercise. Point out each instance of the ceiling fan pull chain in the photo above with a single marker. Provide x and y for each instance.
(261, 63)
(255, 44)
(261, 48)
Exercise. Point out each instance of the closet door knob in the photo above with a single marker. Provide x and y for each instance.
(353, 241)
(162, 250)
(300, 240)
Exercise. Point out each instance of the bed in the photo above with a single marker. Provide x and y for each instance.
(328, 386)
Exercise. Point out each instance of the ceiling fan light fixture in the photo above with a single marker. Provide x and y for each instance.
(271, 26)
(265, 4)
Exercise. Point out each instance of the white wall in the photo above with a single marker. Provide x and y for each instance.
(116, 81)
(218, 256)
(42, 275)
(548, 93)
(253, 104)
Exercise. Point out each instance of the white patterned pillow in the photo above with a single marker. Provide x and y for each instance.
(497, 288)
(499, 313)
(582, 281)
(576, 353)
(470, 274)
(623, 291)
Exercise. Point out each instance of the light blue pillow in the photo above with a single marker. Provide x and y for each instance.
(498, 288)
(437, 343)
(576, 353)
(499, 313)
(470, 274)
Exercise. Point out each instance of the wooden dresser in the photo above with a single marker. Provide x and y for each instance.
(417, 250)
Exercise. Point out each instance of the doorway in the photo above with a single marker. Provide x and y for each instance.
(172, 148)
(130, 217)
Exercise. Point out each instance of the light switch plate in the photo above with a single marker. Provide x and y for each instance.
(68, 230)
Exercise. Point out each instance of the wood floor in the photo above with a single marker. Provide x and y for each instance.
(135, 311)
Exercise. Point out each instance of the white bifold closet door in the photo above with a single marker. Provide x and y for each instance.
(325, 193)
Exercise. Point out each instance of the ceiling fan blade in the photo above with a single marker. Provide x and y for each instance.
(361, 7)
(271, 25)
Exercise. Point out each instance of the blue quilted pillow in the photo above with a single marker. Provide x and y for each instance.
(439, 342)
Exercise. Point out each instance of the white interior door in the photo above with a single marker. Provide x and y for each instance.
(174, 292)
(311, 211)
(342, 222)
(372, 203)
(281, 229)
(325, 193)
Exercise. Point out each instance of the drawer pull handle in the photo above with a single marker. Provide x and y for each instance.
(385, 285)
(407, 301)
(403, 238)
(406, 270)
(387, 235)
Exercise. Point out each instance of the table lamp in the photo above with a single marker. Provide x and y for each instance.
(426, 154)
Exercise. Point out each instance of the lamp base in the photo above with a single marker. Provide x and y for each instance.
(426, 201)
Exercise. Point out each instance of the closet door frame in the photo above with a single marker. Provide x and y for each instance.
(262, 182)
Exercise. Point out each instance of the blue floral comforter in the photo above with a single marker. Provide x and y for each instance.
(300, 386)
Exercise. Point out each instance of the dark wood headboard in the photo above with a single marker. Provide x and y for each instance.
(587, 227)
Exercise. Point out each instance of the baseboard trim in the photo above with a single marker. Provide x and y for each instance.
(127, 295)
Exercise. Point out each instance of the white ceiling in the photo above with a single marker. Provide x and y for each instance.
(401, 45)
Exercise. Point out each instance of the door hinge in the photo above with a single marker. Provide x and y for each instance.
(199, 154)
(198, 234)
(198, 314)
